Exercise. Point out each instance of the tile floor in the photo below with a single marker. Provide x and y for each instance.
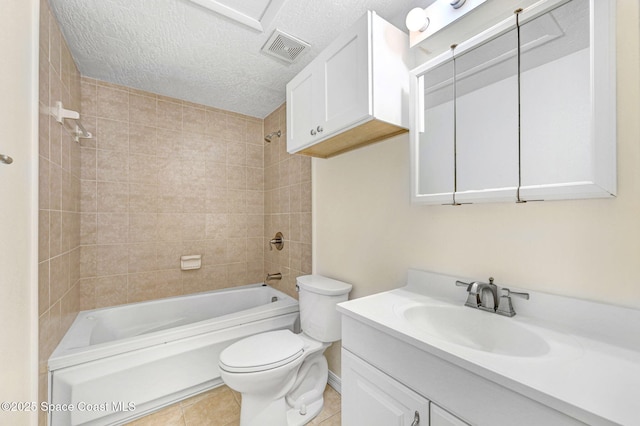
(221, 407)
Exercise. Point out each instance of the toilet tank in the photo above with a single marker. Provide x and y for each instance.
(318, 297)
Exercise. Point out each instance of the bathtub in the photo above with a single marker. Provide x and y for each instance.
(116, 364)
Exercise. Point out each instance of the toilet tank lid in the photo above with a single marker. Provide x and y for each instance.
(323, 285)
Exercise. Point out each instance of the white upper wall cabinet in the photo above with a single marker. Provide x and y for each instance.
(354, 93)
(525, 111)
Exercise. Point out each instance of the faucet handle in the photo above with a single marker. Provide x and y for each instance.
(508, 292)
(505, 307)
(463, 284)
(473, 298)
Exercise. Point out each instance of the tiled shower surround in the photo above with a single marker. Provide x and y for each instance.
(59, 197)
(165, 178)
(160, 179)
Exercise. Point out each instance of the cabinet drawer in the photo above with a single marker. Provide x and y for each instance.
(370, 397)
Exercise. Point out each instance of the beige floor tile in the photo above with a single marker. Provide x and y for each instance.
(213, 393)
(170, 416)
(219, 408)
(332, 405)
(334, 420)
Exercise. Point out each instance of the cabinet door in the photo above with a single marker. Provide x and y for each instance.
(440, 417)
(300, 109)
(345, 80)
(370, 397)
(487, 121)
(568, 102)
(432, 138)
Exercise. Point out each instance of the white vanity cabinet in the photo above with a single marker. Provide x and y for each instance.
(354, 93)
(394, 378)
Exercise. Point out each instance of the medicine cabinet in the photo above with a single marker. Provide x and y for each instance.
(524, 111)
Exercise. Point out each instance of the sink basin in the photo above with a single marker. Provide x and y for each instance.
(474, 329)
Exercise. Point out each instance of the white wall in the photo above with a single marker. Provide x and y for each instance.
(18, 206)
(368, 233)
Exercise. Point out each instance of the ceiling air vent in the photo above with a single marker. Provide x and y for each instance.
(284, 46)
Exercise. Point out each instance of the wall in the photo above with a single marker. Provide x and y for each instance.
(59, 196)
(164, 178)
(287, 206)
(368, 233)
(18, 208)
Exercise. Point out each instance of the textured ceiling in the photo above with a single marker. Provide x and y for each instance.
(179, 49)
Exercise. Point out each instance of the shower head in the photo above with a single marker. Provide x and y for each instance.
(272, 134)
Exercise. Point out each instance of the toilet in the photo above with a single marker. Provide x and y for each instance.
(282, 375)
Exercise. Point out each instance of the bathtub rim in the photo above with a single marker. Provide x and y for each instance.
(64, 356)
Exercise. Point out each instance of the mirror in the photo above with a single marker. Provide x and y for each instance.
(487, 120)
(436, 158)
(524, 111)
(556, 98)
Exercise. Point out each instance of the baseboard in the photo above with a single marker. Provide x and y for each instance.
(335, 382)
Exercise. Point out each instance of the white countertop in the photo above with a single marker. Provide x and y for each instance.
(592, 368)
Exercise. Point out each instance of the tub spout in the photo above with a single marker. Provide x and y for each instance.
(276, 276)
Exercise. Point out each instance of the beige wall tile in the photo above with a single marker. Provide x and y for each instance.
(143, 139)
(88, 164)
(55, 233)
(112, 259)
(143, 227)
(142, 110)
(59, 277)
(112, 103)
(142, 257)
(143, 198)
(89, 98)
(112, 197)
(194, 119)
(88, 261)
(43, 235)
(112, 166)
(169, 115)
(43, 287)
(112, 135)
(112, 228)
(110, 291)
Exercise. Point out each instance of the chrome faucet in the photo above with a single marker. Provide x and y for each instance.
(481, 295)
(485, 296)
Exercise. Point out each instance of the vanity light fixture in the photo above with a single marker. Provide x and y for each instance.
(417, 19)
(424, 22)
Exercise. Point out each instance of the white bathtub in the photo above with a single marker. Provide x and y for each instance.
(120, 363)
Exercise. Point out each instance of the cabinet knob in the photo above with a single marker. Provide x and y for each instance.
(320, 129)
(416, 419)
(5, 159)
(313, 132)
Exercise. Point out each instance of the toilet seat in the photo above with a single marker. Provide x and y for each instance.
(262, 352)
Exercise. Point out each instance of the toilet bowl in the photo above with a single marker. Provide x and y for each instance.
(282, 375)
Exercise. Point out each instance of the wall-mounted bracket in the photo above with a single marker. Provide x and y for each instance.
(77, 130)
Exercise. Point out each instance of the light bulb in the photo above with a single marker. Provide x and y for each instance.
(417, 19)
